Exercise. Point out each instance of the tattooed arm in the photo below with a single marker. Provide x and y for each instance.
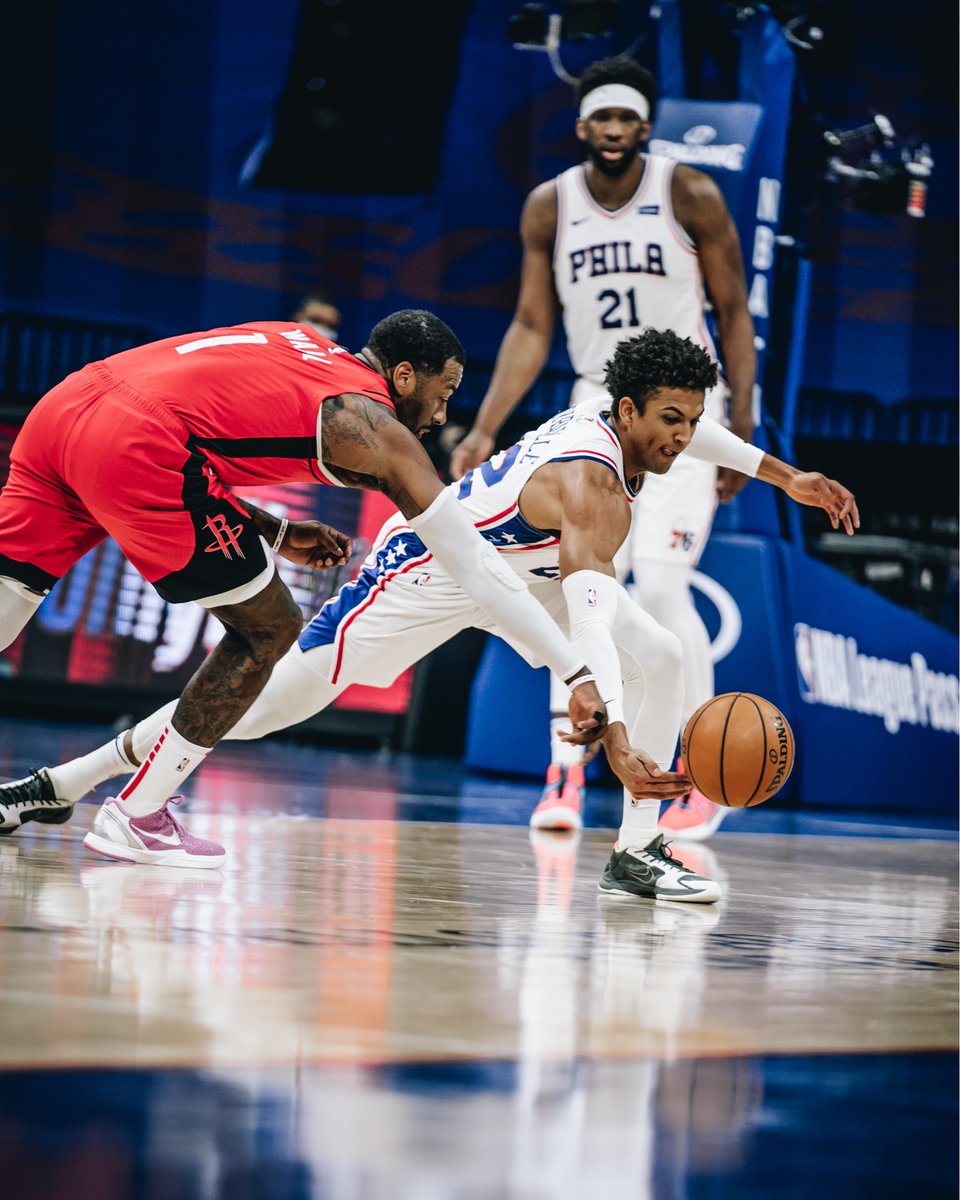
(365, 446)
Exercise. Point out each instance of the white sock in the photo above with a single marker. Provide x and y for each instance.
(638, 826)
(167, 765)
(146, 732)
(74, 779)
(563, 753)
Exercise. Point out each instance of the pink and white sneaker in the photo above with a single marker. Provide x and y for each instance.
(158, 839)
(561, 804)
(692, 818)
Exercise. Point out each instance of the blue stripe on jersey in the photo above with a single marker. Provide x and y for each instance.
(515, 531)
(390, 558)
(575, 454)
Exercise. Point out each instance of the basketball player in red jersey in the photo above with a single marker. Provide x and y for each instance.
(145, 445)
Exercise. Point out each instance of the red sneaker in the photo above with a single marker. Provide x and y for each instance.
(561, 802)
(692, 818)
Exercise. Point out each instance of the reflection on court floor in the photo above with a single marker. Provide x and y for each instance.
(394, 989)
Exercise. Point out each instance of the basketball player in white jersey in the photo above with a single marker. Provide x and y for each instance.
(620, 241)
(557, 507)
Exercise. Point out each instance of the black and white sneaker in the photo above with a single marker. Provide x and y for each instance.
(31, 799)
(652, 873)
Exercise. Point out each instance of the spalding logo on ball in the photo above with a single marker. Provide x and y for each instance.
(738, 749)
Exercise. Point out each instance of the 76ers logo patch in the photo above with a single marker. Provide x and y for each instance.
(224, 537)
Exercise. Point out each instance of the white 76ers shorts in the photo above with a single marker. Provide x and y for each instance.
(673, 514)
(399, 607)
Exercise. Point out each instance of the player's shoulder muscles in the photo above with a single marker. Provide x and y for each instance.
(537, 300)
(595, 510)
(352, 427)
(698, 203)
(366, 446)
(538, 220)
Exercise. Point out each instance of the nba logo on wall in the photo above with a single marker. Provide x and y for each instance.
(803, 649)
(832, 670)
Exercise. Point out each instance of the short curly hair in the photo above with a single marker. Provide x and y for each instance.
(654, 359)
(415, 336)
(619, 69)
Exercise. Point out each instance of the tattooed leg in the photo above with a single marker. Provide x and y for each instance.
(258, 633)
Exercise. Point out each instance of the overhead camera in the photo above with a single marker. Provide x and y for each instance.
(529, 25)
(877, 172)
(532, 26)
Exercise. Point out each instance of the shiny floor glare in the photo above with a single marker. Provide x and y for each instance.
(393, 988)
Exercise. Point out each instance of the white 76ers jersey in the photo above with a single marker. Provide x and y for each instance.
(491, 492)
(618, 271)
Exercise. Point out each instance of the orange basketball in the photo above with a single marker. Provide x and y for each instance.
(738, 749)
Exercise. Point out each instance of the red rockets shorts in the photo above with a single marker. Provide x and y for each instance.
(93, 458)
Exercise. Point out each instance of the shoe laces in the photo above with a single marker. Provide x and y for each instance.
(167, 815)
(166, 809)
(698, 802)
(23, 794)
(662, 850)
(551, 789)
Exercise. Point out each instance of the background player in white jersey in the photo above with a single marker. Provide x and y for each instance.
(620, 241)
(557, 507)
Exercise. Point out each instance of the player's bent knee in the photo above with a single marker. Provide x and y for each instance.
(657, 651)
(660, 587)
(269, 622)
(668, 651)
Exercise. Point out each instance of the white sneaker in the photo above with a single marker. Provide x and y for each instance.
(652, 873)
(157, 839)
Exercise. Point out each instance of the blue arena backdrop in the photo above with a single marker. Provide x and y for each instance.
(133, 202)
(866, 685)
(104, 626)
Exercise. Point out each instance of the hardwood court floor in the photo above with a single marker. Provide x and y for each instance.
(391, 990)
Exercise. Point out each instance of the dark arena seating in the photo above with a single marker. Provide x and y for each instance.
(397, 985)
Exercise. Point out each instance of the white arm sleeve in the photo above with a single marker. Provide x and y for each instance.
(447, 531)
(714, 443)
(592, 601)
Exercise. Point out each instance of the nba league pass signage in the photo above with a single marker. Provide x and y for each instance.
(833, 671)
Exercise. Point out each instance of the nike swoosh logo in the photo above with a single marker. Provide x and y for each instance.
(168, 839)
(580, 220)
(641, 873)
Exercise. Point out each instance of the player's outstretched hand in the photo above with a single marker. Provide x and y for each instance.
(816, 490)
(313, 544)
(588, 714)
(475, 448)
(641, 776)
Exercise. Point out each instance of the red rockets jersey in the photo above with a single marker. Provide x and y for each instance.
(250, 395)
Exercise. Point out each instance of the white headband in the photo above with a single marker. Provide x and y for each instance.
(614, 95)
